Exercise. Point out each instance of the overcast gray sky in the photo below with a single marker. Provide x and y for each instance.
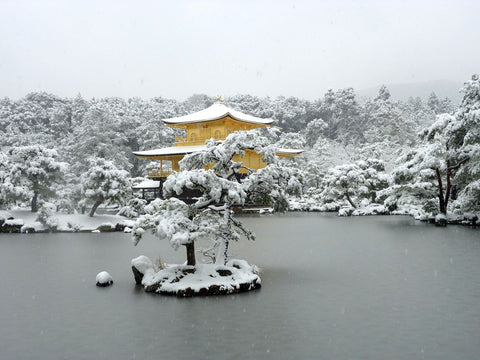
(177, 48)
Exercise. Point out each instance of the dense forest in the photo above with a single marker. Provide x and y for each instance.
(378, 155)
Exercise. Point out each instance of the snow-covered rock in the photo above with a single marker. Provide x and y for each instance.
(33, 227)
(106, 227)
(104, 279)
(140, 265)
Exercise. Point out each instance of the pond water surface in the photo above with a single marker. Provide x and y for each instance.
(333, 288)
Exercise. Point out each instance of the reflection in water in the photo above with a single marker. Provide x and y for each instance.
(333, 288)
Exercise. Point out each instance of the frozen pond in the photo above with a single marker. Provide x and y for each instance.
(333, 288)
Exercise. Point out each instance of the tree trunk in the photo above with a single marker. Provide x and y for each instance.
(441, 199)
(221, 257)
(95, 206)
(34, 204)
(350, 200)
(190, 253)
(449, 185)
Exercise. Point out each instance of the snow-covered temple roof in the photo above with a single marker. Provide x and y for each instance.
(147, 184)
(182, 150)
(217, 111)
(281, 151)
(172, 150)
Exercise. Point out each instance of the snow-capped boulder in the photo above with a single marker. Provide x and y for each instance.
(140, 266)
(32, 227)
(12, 225)
(104, 279)
(106, 227)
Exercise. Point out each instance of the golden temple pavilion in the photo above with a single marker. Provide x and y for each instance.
(216, 121)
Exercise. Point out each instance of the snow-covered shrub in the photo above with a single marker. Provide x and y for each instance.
(47, 215)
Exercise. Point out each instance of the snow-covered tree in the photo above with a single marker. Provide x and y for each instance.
(438, 106)
(464, 143)
(290, 113)
(430, 162)
(434, 104)
(104, 183)
(34, 172)
(316, 161)
(4, 185)
(197, 102)
(314, 130)
(227, 183)
(355, 181)
(251, 105)
(382, 119)
(99, 136)
(340, 110)
(292, 140)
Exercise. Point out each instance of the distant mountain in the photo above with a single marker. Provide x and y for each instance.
(443, 88)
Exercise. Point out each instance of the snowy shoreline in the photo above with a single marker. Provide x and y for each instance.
(24, 221)
(465, 219)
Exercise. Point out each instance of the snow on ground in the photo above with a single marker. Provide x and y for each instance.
(67, 222)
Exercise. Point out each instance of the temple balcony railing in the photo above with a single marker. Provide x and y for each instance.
(184, 141)
(158, 173)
